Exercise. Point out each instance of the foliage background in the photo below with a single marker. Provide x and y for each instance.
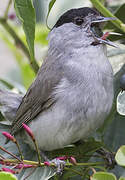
(19, 77)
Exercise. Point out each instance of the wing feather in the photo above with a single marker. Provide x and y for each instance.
(39, 96)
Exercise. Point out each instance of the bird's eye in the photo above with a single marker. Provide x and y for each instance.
(78, 21)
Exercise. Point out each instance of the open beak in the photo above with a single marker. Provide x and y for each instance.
(102, 39)
(103, 19)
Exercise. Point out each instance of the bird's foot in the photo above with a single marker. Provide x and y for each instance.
(60, 163)
(109, 157)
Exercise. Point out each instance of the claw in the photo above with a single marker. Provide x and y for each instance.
(109, 157)
(60, 164)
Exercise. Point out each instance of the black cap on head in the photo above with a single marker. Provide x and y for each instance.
(69, 16)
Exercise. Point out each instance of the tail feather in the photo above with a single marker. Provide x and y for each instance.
(9, 103)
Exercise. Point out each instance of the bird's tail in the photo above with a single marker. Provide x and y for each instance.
(9, 103)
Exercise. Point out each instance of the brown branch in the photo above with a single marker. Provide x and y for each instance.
(3, 149)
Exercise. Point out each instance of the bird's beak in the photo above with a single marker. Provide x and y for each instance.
(103, 38)
(103, 19)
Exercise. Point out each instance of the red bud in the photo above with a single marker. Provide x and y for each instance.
(46, 163)
(8, 170)
(73, 160)
(9, 136)
(28, 130)
(19, 166)
(12, 16)
(62, 158)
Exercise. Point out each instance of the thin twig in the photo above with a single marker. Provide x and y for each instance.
(14, 161)
(30, 133)
(37, 151)
(1, 156)
(3, 149)
(21, 155)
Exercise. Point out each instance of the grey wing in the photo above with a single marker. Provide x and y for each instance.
(39, 95)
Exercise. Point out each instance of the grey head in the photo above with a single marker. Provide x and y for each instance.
(77, 27)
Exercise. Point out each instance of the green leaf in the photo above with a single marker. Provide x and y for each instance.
(7, 176)
(120, 13)
(122, 178)
(121, 103)
(103, 176)
(120, 156)
(52, 2)
(1, 117)
(74, 172)
(25, 12)
(69, 174)
(41, 173)
(114, 136)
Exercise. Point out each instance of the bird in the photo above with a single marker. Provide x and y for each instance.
(72, 93)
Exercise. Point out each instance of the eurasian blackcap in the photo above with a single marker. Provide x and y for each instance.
(73, 92)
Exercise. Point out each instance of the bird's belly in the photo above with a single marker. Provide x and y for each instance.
(64, 123)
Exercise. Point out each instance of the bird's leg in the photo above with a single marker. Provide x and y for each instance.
(108, 156)
(59, 162)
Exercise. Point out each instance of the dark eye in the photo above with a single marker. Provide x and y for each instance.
(78, 21)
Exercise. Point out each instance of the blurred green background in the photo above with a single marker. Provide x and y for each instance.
(17, 75)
